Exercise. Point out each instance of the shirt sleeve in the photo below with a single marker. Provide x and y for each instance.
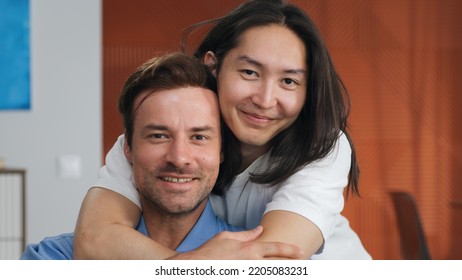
(51, 248)
(316, 191)
(117, 175)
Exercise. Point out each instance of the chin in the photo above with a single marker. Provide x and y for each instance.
(181, 208)
(257, 142)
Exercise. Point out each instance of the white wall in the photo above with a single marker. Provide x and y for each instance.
(66, 113)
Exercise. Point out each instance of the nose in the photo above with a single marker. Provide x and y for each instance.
(265, 98)
(178, 153)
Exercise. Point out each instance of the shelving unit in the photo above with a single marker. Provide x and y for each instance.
(12, 213)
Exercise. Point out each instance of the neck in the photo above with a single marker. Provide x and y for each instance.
(170, 229)
(251, 153)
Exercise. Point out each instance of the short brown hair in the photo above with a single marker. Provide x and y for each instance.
(169, 71)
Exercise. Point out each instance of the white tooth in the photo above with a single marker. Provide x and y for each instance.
(176, 180)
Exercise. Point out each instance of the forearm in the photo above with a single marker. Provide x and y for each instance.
(118, 242)
(106, 230)
(241, 246)
(288, 227)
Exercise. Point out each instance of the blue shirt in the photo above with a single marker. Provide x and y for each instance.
(61, 247)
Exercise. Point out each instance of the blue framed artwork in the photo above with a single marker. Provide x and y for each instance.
(14, 55)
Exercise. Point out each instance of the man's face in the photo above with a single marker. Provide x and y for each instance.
(176, 148)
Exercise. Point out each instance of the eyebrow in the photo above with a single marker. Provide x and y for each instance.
(252, 61)
(258, 64)
(165, 128)
(203, 128)
(154, 127)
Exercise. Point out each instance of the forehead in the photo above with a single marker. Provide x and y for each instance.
(194, 106)
(272, 45)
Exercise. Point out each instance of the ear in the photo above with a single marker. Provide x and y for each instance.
(211, 61)
(127, 150)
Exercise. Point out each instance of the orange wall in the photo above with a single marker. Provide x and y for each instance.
(400, 61)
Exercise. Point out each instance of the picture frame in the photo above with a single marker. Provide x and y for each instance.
(15, 55)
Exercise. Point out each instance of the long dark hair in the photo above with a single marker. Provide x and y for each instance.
(324, 115)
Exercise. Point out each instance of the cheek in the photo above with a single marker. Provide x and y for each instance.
(225, 106)
(146, 158)
(210, 162)
(293, 105)
(229, 98)
(232, 89)
(226, 96)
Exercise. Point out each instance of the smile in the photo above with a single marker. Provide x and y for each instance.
(176, 180)
(256, 119)
(259, 117)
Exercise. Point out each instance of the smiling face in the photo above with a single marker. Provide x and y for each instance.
(175, 149)
(262, 85)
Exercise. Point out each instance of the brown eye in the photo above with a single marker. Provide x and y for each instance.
(288, 81)
(248, 72)
(157, 136)
(199, 137)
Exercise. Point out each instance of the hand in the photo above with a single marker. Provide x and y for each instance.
(241, 245)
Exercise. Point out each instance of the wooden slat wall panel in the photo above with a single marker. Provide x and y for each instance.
(400, 60)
